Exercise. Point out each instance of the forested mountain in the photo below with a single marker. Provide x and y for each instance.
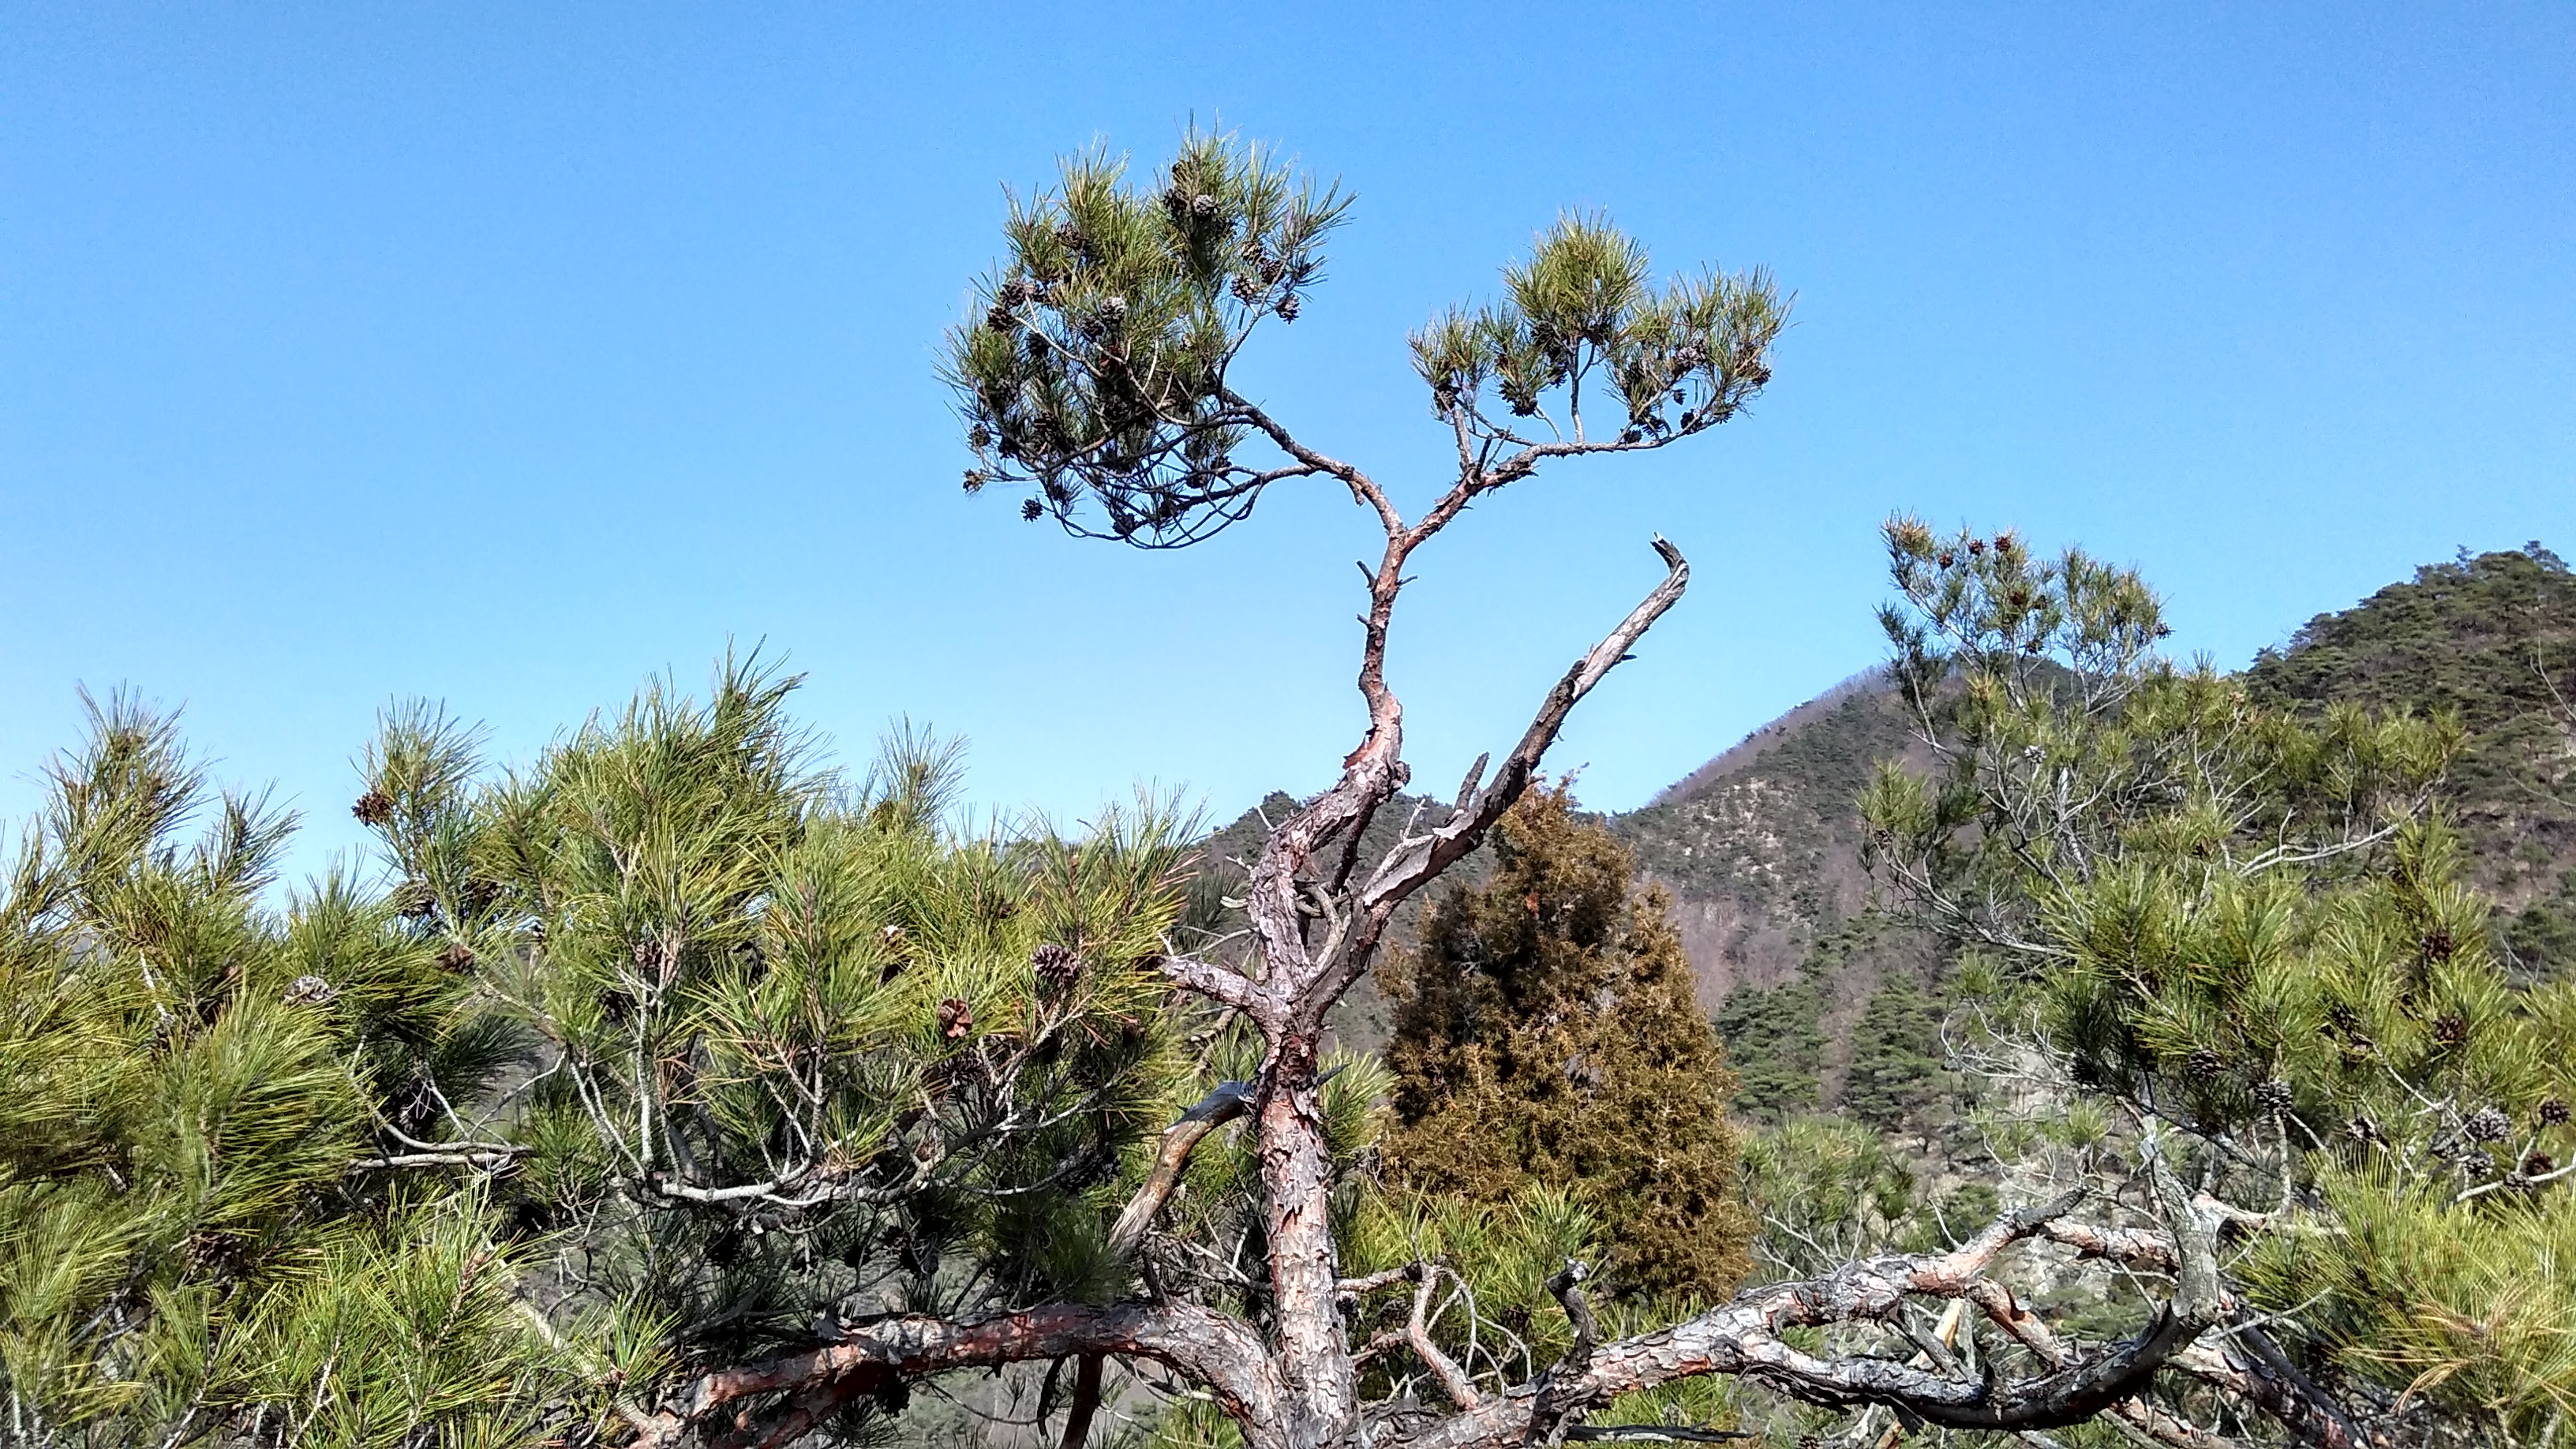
(2493, 637)
(1760, 847)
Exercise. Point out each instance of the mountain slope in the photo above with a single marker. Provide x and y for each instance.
(1760, 847)
(2494, 638)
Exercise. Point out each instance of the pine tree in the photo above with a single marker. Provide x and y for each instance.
(206, 1232)
(2246, 938)
(1775, 1041)
(1547, 1033)
(1895, 1073)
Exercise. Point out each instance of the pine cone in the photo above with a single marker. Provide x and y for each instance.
(373, 808)
(975, 480)
(418, 900)
(219, 1252)
(1287, 308)
(1202, 206)
(2274, 1095)
(956, 1018)
(1057, 966)
(1948, 559)
(2539, 1164)
(2452, 1030)
(2206, 1063)
(1977, 546)
(1032, 510)
(309, 990)
(2488, 1124)
(1245, 289)
(998, 319)
(2553, 1113)
(1012, 293)
(2437, 945)
(457, 957)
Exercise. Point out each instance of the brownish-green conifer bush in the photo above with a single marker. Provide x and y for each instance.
(1547, 1033)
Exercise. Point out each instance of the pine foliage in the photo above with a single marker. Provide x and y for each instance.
(1096, 373)
(2250, 927)
(198, 1237)
(1546, 1032)
(670, 1050)
(801, 1052)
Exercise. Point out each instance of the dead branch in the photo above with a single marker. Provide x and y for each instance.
(1217, 1352)
(1744, 1338)
(1417, 1336)
(1223, 1105)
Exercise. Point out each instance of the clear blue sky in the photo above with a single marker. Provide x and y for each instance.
(507, 354)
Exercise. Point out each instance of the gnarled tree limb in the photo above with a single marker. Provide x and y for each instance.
(1213, 1350)
(1744, 1338)
(1171, 1158)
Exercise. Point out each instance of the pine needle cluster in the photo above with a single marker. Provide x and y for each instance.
(1095, 372)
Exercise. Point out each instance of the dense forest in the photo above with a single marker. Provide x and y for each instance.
(2039, 1039)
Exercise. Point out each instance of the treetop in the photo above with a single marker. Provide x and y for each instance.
(1095, 366)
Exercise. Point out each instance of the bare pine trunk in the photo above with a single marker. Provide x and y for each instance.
(1319, 1390)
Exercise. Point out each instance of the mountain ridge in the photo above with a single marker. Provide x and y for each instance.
(1759, 847)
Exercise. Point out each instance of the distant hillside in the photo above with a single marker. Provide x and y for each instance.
(1760, 847)
(2493, 637)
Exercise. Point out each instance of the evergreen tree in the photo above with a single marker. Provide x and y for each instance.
(1896, 1072)
(208, 1232)
(2247, 933)
(1775, 1041)
(1546, 1032)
